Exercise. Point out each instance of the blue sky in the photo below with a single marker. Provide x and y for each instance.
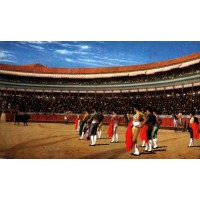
(92, 54)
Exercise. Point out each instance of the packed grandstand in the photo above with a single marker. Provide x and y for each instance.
(170, 86)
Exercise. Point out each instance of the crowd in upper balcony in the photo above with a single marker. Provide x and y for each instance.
(172, 74)
(50, 103)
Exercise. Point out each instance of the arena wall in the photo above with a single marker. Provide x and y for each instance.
(167, 120)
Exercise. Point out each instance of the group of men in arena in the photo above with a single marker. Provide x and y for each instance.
(91, 125)
(146, 124)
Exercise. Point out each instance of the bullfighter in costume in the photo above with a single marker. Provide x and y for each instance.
(84, 124)
(99, 129)
(94, 120)
(156, 128)
(176, 122)
(139, 120)
(150, 122)
(115, 123)
(193, 128)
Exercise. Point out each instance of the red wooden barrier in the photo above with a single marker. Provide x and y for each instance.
(167, 122)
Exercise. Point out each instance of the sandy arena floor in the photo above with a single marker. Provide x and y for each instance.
(51, 140)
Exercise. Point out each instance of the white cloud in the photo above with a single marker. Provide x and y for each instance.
(33, 44)
(5, 56)
(7, 60)
(116, 61)
(2, 54)
(75, 46)
(69, 60)
(37, 47)
(98, 60)
(66, 45)
(36, 42)
(84, 47)
(70, 52)
(94, 61)
(64, 52)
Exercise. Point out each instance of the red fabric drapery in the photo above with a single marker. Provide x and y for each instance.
(76, 123)
(129, 137)
(110, 129)
(143, 133)
(195, 130)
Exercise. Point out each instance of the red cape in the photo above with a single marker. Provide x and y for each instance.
(110, 129)
(76, 123)
(143, 133)
(129, 136)
(195, 130)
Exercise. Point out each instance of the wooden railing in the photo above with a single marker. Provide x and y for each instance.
(167, 122)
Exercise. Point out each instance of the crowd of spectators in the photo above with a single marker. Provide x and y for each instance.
(51, 103)
(172, 74)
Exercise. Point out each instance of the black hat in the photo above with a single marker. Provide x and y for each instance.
(114, 110)
(149, 109)
(94, 108)
(155, 110)
(137, 106)
(192, 112)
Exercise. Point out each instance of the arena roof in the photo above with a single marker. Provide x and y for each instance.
(37, 70)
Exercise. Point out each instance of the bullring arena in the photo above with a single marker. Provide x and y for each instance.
(45, 94)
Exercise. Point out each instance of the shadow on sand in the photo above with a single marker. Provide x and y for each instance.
(194, 146)
(159, 149)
